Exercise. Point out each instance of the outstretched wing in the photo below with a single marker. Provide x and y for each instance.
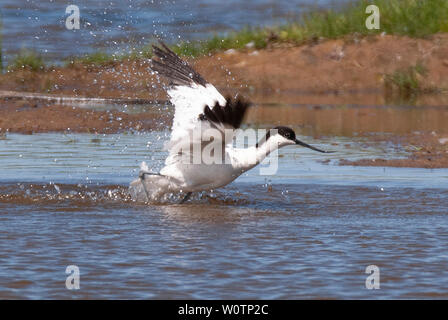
(229, 116)
(196, 101)
(189, 92)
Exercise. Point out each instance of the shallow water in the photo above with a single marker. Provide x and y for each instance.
(309, 231)
(117, 26)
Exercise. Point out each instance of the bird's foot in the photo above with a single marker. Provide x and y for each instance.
(187, 196)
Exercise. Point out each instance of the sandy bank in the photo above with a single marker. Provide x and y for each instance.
(30, 117)
(346, 71)
(349, 71)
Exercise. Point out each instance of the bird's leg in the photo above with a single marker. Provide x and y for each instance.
(141, 175)
(187, 196)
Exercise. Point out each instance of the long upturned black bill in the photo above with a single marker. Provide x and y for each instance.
(303, 144)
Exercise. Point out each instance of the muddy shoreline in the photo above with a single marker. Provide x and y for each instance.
(30, 117)
(346, 71)
(341, 72)
(425, 150)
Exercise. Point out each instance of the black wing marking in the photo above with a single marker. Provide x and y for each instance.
(231, 114)
(174, 68)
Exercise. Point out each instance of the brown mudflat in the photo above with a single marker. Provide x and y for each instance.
(31, 117)
(426, 150)
(343, 73)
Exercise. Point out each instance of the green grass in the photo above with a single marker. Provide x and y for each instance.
(406, 82)
(93, 59)
(414, 18)
(29, 60)
(257, 38)
(102, 58)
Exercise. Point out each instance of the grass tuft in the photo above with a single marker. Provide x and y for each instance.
(407, 82)
(28, 60)
(94, 59)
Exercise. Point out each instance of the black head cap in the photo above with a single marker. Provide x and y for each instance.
(286, 132)
(289, 134)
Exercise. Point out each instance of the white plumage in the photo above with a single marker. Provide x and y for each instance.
(200, 110)
(189, 102)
